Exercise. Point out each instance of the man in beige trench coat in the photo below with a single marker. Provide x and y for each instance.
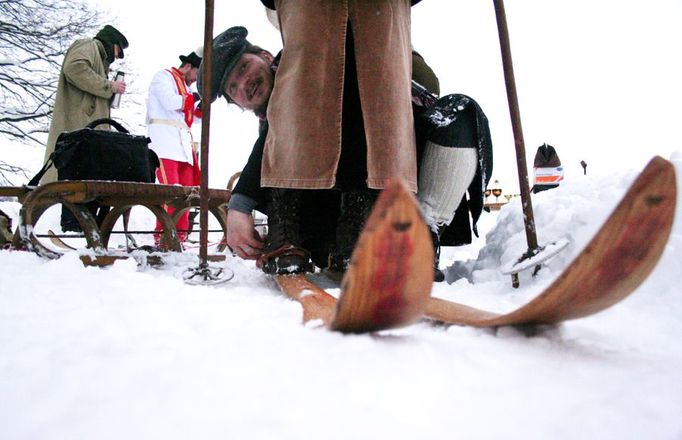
(84, 92)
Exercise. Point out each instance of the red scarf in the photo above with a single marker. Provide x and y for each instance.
(188, 107)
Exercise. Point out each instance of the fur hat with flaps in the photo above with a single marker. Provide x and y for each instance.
(226, 50)
(109, 35)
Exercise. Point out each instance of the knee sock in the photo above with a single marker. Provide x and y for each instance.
(445, 174)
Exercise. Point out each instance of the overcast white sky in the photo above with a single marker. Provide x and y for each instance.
(598, 80)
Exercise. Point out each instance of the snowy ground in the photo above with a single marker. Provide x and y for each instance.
(125, 352)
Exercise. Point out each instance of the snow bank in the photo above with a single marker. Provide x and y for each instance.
(125, 352)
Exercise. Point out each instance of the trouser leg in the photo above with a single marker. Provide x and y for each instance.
(355, 208)
(172, 172)
(283, 252)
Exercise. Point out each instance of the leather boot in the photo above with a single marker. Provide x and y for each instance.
(438, 275)
(355, 208)
(283, 252)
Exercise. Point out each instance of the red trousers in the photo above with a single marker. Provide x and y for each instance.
(172, 172)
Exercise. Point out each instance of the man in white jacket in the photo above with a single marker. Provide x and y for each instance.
(171, 111)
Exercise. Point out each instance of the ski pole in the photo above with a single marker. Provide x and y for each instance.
(204, 274)
(512, 98)
(205, 126)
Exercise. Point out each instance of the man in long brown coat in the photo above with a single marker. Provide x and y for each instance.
(352, 60)
(453, 142)
(84, 92)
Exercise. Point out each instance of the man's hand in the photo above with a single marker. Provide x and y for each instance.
(242, 236)
(118, 86)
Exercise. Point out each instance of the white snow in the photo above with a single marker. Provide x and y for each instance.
(128, 352)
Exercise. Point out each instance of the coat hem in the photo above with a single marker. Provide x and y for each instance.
(299, 183)
(382, 183)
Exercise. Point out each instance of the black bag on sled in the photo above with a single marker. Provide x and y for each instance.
(89, 154)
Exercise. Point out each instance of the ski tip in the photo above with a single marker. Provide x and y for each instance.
(389, 280)
(394, 196)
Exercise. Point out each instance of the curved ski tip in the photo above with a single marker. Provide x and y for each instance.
(659, 164)
(660, 170)
(395, 187)
(395, 183)
(395, 193)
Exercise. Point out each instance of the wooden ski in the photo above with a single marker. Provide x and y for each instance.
(317, 304)
(614, 263)
(389, 280)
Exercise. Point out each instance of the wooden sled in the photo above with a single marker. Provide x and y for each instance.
(120, 196)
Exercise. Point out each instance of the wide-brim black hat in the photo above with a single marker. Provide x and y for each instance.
(193, 59)
(226, 50)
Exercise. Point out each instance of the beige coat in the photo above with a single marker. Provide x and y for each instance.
(303, 146)
(83, 93)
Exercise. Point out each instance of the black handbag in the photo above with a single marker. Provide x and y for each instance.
(89, 154)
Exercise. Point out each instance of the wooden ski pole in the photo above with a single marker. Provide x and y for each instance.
(205, 274)
(512, 98)
(205, 126)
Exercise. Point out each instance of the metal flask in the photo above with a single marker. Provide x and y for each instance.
(116, 98)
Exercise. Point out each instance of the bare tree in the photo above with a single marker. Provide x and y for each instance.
(34, 36)
(6, 170)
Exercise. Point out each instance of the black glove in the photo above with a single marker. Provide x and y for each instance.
(197, 97)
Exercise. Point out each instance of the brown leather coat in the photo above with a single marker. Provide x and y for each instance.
(303, 146)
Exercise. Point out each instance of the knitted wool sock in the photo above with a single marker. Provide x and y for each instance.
(444, 176)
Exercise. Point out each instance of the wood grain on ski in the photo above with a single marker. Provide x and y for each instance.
(316, 303)
(613, 264)
(389, 279)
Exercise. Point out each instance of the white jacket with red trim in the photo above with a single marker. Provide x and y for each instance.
(166, 126)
